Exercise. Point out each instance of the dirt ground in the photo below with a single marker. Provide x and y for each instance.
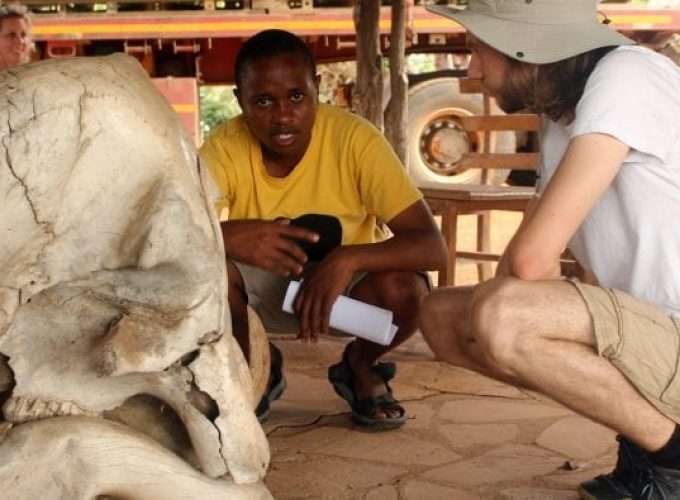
(467, 437)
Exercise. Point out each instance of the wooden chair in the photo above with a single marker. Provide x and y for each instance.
(455, 200)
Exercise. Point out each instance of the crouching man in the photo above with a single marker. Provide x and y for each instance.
(287, 156)
(610, 191)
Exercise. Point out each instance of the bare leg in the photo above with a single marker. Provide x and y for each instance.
(238, 305)
(251, 337)
(539, 334)
(445, 323)
(399, 291)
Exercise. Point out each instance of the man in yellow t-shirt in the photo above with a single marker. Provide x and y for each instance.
(287, 156)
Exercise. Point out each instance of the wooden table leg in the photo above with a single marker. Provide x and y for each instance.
(449, 229)
(484, 269)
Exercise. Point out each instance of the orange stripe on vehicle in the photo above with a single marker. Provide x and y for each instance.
(645, 20)
(438, 22)
(184, 108)
(62, 29)
(627, 19)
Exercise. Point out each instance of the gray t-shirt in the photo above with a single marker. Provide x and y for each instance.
(630, 240)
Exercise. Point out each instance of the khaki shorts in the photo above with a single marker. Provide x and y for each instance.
(641, 341)
(266, 292)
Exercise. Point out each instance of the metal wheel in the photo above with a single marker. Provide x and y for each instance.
(437, 143)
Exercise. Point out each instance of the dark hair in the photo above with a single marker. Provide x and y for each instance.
(552, 89)
(271, 43)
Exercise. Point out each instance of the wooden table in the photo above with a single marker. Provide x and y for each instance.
(467, 199)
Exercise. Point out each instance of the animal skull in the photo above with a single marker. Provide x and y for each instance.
(113, 279)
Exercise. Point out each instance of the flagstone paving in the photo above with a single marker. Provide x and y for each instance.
(467, 438)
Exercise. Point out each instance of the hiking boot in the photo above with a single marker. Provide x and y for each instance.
(613, 486)
(657, 483)
(275, 386)
(604, 487)
(633, 478)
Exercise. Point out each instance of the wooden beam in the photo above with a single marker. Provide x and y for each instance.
(525, 122)
(477, 193)
(470, 86)
(517, 161)
(480, 256)
(367, 93)
(396, 112)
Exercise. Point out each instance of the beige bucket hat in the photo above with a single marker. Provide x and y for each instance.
(535, 31)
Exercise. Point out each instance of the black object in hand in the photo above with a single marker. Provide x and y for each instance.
(327, 227)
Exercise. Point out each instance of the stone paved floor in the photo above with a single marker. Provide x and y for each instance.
(468, 437)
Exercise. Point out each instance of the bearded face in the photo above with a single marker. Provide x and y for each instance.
(508, 81)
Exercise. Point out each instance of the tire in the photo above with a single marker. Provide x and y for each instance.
(432, 108)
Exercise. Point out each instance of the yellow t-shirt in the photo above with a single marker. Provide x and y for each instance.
(349, 170)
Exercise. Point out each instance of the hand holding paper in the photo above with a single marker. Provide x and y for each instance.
(353, 316)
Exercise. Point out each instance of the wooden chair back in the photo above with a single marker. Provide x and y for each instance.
(454, 200)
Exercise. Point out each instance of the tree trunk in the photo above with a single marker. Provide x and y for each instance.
(396, 112)
(367, 95)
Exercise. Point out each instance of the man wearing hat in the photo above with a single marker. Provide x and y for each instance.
(609, 190)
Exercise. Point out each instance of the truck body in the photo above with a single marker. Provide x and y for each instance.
(194, 42)
(202, 43)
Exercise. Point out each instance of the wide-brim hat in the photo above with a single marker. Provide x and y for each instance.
(535, 31)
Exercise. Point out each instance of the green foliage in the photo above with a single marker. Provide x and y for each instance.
(420, 63)
(332, 76)
(218, 103)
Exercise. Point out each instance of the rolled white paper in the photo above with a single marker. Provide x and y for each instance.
(353, 316)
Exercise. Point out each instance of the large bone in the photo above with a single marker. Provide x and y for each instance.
(79, 458)
(113, 280)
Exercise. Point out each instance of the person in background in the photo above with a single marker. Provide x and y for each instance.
(609, 190)
(285, 157)
(15, 35)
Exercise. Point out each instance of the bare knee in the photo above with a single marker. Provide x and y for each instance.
(404, 291)
(443, 311)
(238, 307)
(399, 291)
(236, 294)
(499, 337)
